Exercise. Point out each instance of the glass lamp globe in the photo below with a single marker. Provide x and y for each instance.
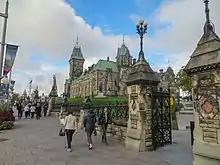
(5, 80)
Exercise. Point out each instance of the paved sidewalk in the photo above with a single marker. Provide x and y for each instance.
(35, 142)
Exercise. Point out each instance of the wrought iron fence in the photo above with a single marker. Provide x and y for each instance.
(119, 112)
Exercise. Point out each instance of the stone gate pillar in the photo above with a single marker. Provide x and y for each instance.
(204, 68)
(139, 84)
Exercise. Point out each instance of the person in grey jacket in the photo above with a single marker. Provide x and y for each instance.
(89, 125)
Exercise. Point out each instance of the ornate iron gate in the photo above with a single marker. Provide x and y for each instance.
(161, 118)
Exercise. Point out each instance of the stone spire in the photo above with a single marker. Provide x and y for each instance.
(53, 92)
(206, 55)
(77, 41)
(77, 52)
(24, 93)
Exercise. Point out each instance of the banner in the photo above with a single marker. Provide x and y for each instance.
(11, 51)
(171, 101)
(12, 84)
(5, 90)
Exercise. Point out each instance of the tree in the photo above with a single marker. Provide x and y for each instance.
(184, 81)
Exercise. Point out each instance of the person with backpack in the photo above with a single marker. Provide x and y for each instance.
(89, 125)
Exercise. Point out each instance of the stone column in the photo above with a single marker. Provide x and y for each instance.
(139, 86)
(136, 123)
(204, 69)
(139, 134)
(206, 100)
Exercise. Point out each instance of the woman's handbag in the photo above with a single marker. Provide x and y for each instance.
(62, 132)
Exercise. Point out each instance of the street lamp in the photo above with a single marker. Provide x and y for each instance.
(5, 16)
(141, 30)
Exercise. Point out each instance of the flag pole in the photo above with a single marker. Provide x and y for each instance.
(30, 86)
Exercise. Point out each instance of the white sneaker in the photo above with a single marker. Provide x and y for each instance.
(90, 146)
(69, 150)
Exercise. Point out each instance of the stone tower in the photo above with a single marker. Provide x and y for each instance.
(123, 57)
(124, 61)
(76, 61)
(204, 69)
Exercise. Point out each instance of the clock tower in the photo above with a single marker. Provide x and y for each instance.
(76, 61)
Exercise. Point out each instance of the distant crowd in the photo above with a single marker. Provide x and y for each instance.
(30, 109)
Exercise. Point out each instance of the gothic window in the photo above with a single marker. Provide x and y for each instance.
(115, 83)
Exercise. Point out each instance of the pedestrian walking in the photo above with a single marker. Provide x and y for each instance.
(45, 107)
(29, 113)
(103, 121)
(38, 111)
(26, 111)
(32, 109)
(89, 125)
(70, 125)
(20, 110)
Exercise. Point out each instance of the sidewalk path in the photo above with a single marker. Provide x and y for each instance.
(35, 142)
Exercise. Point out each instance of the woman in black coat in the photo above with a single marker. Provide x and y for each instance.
(89, 125)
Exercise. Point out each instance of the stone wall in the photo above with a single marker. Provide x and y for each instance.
(118, 131)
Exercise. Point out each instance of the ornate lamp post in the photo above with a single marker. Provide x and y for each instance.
(141, 30)
(5, 16)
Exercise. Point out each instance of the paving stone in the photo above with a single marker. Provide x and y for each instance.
(36, 142)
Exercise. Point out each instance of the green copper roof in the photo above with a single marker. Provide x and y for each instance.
(105, 64)
(77, 53)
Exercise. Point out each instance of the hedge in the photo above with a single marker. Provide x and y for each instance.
(3, 107)
(95, 101)
(5, 125)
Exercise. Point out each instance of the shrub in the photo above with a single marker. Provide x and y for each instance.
(95, 101)
(6, 116)
(5, 125)
(3, 107)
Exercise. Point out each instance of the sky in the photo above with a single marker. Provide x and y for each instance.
(46, 32)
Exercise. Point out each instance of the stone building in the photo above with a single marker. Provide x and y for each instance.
(105, 77)
(168, 80)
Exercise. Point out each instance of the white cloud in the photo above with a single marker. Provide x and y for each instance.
(187, 18)
(51, 26)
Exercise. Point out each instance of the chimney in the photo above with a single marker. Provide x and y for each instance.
(108, 58)
(161, 70)
(134, 61)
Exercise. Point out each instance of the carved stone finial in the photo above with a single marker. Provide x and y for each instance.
(208, 24)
